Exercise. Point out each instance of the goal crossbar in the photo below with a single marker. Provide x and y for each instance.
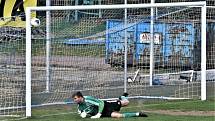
(121, 6)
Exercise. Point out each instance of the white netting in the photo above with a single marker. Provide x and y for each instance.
(12, 71)
(82, 59)
(88, 54)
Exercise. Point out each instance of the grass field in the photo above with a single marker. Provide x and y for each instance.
(195, 110)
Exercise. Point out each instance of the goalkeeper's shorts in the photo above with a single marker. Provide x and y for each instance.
(111, 106)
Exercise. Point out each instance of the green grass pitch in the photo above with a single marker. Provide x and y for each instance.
(186, 110)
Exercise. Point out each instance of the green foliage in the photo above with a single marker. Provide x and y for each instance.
(78, 50)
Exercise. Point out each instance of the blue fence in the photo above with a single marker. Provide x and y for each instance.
(172, 41)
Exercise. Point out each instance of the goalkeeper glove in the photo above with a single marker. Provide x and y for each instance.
(98, 115)
(79, 112)
(83, 115)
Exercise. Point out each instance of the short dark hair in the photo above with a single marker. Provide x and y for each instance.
(78, 94)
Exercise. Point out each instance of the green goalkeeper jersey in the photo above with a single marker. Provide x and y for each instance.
(91, 105)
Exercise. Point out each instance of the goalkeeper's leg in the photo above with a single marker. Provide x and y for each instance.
(124, 100)
(127, 115)
(111, 109)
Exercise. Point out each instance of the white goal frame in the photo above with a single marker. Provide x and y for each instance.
(201, 4)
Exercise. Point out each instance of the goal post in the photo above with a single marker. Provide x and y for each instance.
(203, 53)
(92, 63)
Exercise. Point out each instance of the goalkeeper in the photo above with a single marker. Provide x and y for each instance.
(89, 106)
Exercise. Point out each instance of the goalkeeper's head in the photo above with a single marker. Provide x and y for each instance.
(78, 97)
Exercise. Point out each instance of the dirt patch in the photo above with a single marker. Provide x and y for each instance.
(180, 113)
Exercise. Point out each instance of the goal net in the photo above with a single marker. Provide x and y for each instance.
(125, 48)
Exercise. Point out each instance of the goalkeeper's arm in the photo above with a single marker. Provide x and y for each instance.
(98, 103)
(101, 107)
(95, 102)
(98, 115)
